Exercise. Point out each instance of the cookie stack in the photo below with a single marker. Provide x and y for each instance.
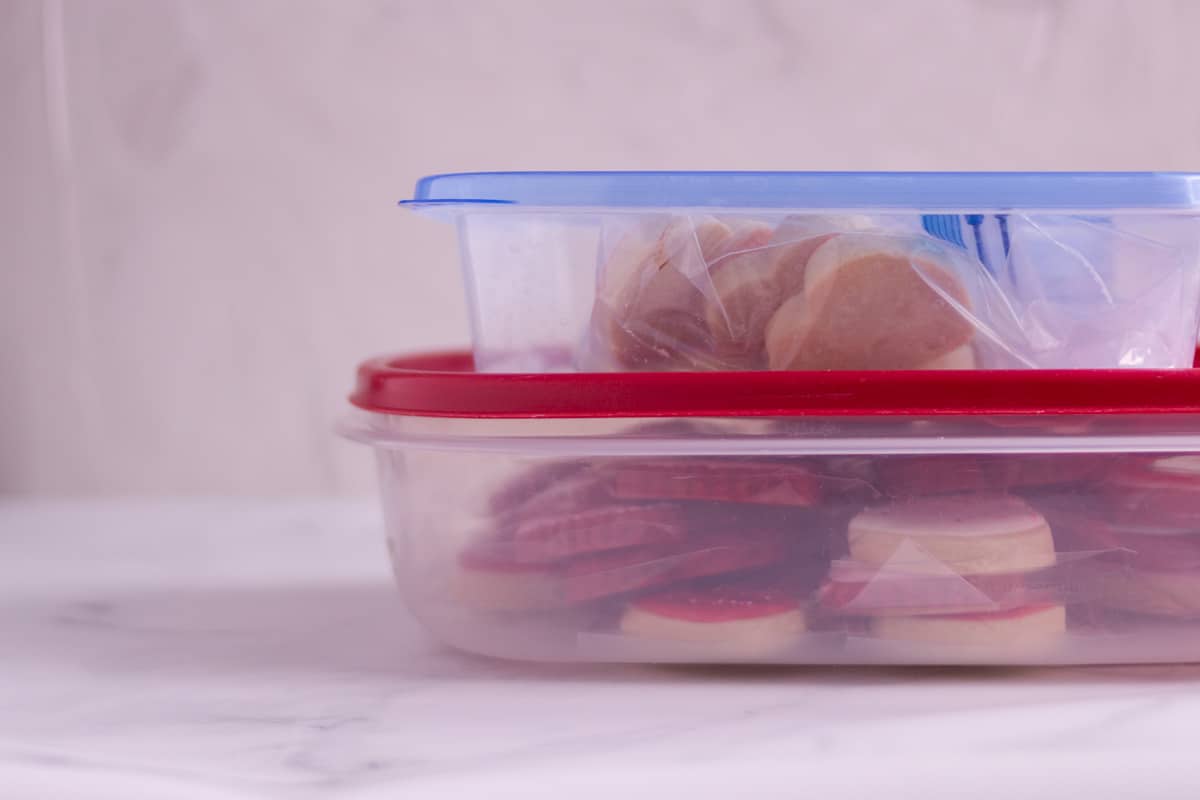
(680, 549)
(1146, 534)
(953, 570)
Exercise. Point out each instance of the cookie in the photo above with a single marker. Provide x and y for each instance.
(1008, 629)
(1173, 593)
(488, 581)
(529, 482)
(748, 286)
(872, 302)
(725, 479)
(962, 358)
(858, 589)
(570, 533)
(700, 554)
(909, 476)
(651, 316)
(577, 491)
(742, 618)
(1164, 489)
(963, 534)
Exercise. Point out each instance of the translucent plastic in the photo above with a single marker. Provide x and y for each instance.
(886, 540)
(700, 289)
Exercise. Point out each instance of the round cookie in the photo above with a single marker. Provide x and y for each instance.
(1012, 628)
(529, 482)
(737, 619)
(872, 302)
(650, 315)
(701, 554)
(749, 284)
(1164, 593)
(724, 479)
(1166, 488)
(1142, 544)
(962, 358)
(1180, 466)
(856, 589)
(577, 491)
(907, 476)
(488, 582)
(568, 533)
(963, 534)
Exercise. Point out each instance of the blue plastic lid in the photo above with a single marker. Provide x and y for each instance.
(816, 190)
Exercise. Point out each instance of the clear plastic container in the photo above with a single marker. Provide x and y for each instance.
(984, 517)
(694, 270)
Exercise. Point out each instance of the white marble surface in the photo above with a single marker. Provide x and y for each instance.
(228, 649)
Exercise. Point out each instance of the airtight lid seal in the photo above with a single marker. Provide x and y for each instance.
(446, 385)
(814, 191)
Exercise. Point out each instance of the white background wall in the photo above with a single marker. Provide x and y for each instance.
(197, 232)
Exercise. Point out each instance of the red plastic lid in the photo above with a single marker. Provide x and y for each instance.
(446, 385)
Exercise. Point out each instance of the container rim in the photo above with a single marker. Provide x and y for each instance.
(815, 191)
(445, 384)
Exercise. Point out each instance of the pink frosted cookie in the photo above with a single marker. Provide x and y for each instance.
(724, 479)
(491, 582)
(964, 534)
(530, 482)
(872, 302)
(1133, 539)
(569, 533)
(700, 554)
(1139, 565)
(907, 476)
(1008, 630)
(743, 618)
(579, 491)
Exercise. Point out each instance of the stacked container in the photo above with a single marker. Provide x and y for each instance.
(805, 418)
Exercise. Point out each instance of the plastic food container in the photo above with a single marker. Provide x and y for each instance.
(976, 517)
(746, 271)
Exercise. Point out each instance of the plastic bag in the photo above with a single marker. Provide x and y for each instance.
(701, 292)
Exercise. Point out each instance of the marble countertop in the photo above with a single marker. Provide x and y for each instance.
(223, 649)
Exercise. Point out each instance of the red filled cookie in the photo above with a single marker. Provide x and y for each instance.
(723, 479)
(529, 482)
(1173, 593)
(488, 580)
(859, 589)
(1122, 537)
(570, 533)
(1162, 490)
(980, 534)
(906, 476)
(1008, 631)
(576, 492)
(739, 618)
(700, 554)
